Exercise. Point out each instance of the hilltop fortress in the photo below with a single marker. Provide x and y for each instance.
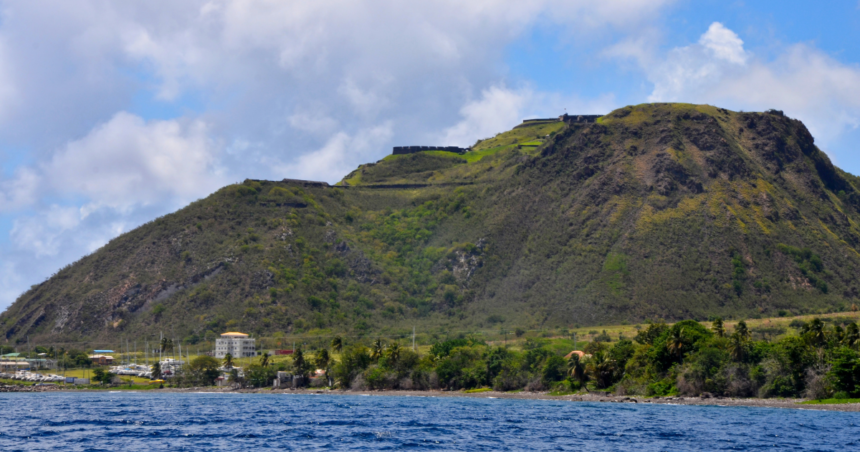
(565, 118)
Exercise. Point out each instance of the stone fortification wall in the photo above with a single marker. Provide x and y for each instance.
(306, 183)
(526, 121)
(400, 150)
(578, 119)
(565, 118)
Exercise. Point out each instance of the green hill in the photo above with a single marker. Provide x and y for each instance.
(668, 211)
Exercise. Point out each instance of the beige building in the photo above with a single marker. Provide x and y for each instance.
(101, 360)
(238, 345)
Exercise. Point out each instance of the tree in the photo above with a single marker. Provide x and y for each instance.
(323, 359)
(264, 359)
(838, 334)
(156, 371)
(553, 369)
(844, 374)
(323, 362)
(852, 335)
(742, 330)
(228, 361)
(576, 370)
(300, 366)
(353, 361)
(337, 344)
(718, 328)
(376, 350)
(394, 353)
(259, 376)
(651, 334)
(166, 344)
(203, 370)
(737, 346)
(235, 379)
(518, 332)
(675, 343)
(602, 369)
(102, 376)
(813, 332)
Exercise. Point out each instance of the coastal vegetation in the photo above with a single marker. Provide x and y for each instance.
(811, 357)
(686, 358)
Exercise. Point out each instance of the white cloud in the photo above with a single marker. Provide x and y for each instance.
(7, 84)
(19, 191)
(41, 233)
(340, 155)
(497, 110)
(801, 80)
(12, 284)
(127, 161)
(316, 124)
(500, 108)
(724, 43)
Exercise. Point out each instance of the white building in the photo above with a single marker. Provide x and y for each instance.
(238, 345)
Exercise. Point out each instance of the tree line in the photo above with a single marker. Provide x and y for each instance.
(686, 358)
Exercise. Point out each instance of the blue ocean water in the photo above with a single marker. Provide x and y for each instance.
(238, 422)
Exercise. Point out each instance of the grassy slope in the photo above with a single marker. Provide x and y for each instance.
(659, 211)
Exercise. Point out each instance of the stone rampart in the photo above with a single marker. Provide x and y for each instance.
(526, 121)
(578, 119)
(306, 183)
(401, 150)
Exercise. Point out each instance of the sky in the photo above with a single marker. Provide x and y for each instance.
(115, 113)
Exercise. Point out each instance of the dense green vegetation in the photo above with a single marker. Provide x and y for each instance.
(686, 358)
(659, 211)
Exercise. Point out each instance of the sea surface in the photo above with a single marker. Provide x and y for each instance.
(241, 422)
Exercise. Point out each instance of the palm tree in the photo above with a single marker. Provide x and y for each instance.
(838, 334)
(603, 369)
(264, 359)
(852, 335)
(156, 371)
(742, 330)
(675, 342)
(300, 367)
(718, 327)
(376, 350)
(394, 352)
(737, 346)
(576, 369)
(166, 344)
(814, 332)
(228, 361)
(337, 344)
(323, 362)
(323, 359)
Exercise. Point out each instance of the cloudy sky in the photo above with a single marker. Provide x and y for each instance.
(113, 113)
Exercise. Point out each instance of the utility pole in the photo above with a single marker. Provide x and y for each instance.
(413, 338)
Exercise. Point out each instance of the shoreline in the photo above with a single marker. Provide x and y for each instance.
(587, 397)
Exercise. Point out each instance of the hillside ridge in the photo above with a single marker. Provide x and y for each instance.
(653, 211)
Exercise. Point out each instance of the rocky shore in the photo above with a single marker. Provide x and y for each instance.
(706, 399)
(30, 388)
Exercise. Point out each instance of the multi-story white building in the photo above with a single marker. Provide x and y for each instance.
(238, 345)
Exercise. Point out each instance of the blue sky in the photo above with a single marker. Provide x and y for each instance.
(113, 113)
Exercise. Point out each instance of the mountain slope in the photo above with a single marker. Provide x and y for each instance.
(655, 211)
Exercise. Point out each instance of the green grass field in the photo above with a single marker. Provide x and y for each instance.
(829, 401)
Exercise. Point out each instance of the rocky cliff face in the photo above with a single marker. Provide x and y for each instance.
(653, 211)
